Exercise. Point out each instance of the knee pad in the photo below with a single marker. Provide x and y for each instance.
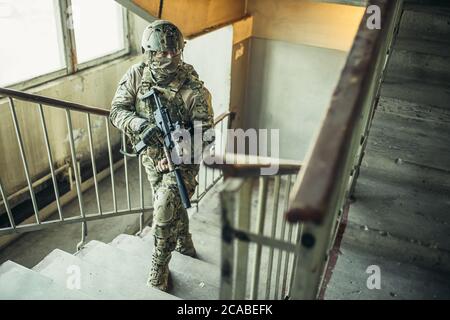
(165, 206)
(162, 232)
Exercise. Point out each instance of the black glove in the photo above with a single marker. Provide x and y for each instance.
(151, 135)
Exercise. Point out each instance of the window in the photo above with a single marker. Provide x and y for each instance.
(29, 41)
(98, 28)
(45, 39)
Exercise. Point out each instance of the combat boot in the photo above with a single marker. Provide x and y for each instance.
(159, 277)
(186, 246)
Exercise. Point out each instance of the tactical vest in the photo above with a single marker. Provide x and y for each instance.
(170, 97)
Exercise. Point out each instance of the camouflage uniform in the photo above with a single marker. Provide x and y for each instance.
(187, 101)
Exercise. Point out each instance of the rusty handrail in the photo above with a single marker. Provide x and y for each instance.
(233, 165)
(223, 115)
(58, 103)
(53, 102)
(323, 171)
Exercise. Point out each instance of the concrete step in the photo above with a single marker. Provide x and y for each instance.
(424, 143)
(424, 46)
(398, 280)
(201, 270)
(96, 281)
(206, 239)
(421, 60)
(413, 110)
(382, 244)
(420, 92)
(129, 265)
(436, 3)
(425, 22)
(404, 201)
(20, 283)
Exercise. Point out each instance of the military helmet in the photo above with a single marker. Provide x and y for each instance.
(162, 35)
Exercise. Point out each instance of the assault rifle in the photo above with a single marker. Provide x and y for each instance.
(165, 125)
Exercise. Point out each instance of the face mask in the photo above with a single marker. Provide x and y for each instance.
(164, 68)
(166, 64)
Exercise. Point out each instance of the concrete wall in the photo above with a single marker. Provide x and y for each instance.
(289, 88)
(298, 48)
(306, 22)
(95, 86)
(239, 78)
(210, 54)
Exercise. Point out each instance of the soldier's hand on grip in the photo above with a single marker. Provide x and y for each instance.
(162, 166)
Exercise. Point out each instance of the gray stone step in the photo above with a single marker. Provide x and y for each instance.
(398, 280)
(411, 139)
(388, 246)
(404, 201)
(424, 46)
(436, 3)
(413, 110)
(129, 265)
(425, 22)
(420, 92)
(421, 61)
(96, 281)
(20, 283)
(206, 237)
(201, 270)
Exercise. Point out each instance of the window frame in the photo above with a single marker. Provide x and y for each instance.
(67, 40)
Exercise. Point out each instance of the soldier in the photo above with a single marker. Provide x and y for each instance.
(189, 102)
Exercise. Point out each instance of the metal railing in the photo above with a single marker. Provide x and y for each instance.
(77, 183)
(208, 177)
(258, 247)
(322, 191)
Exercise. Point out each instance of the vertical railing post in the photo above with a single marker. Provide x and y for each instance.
(24, 159)
(125, 163)
(50, 161)
(197, 195)
(94, 167)
(113, 185)
(141, 193)
(276, 195)
(289, 239)
(206, 177)
(298, 234)
(228, 198)
(311, 257)
(286, 263)
(77, 178)
(262, 200)
(242, 221)
(6, 204)
(282, 235)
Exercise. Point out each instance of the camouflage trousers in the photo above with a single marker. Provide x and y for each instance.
(170, 218)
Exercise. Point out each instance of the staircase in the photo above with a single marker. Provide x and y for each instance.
(119, 269)
(400, 220)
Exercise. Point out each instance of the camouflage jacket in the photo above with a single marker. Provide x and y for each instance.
(186, 98)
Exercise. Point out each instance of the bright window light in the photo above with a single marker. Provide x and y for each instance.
(98, 27)
(30, 40)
